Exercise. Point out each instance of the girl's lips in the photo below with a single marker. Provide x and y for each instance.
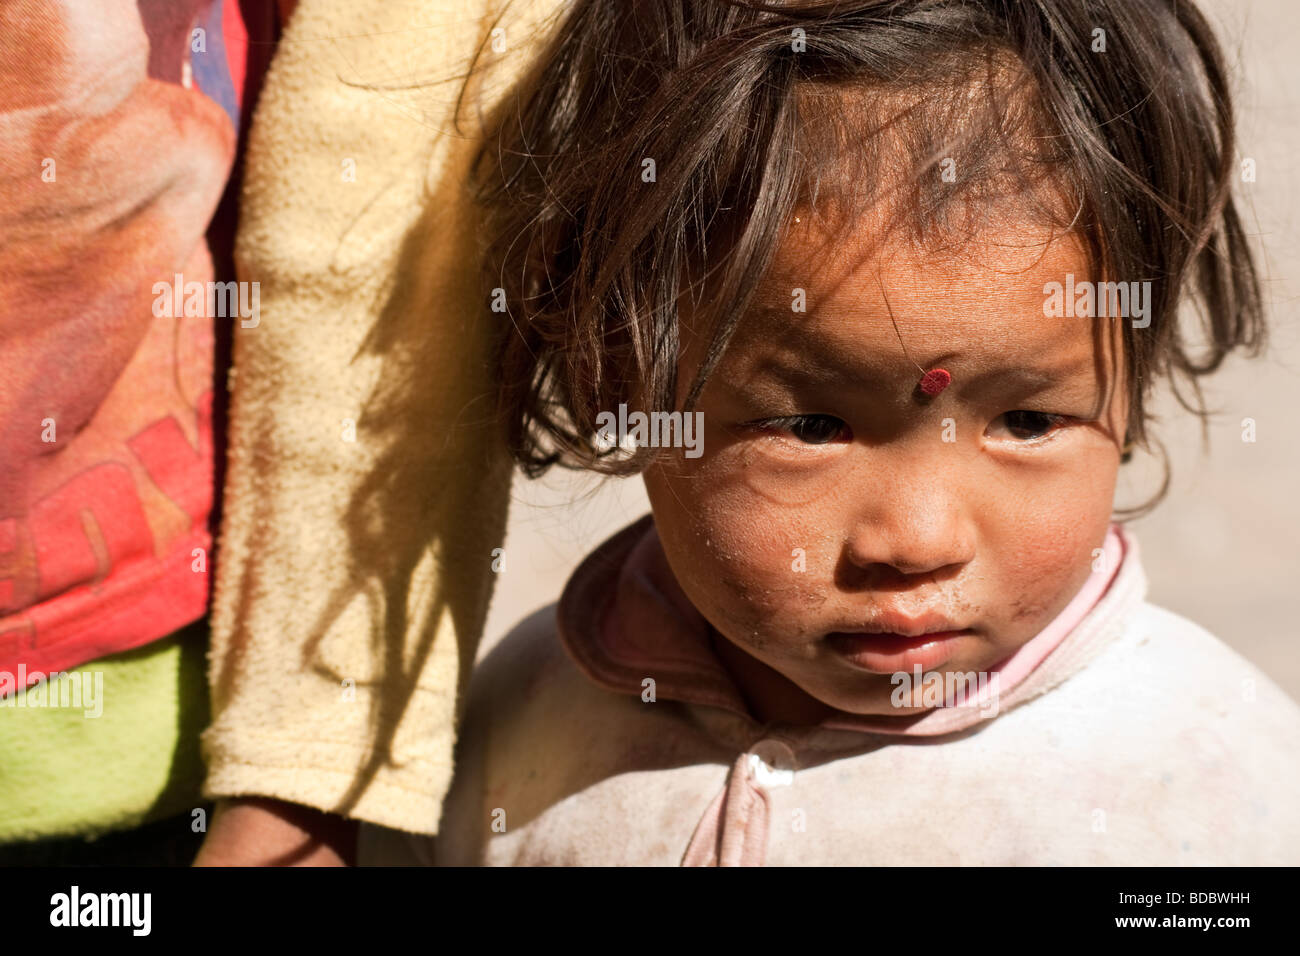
(891, 653)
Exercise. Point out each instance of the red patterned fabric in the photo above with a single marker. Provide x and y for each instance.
(120, 121)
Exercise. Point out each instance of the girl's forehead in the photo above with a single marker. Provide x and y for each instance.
(845, 316)
(1001, 237)
(994, 284)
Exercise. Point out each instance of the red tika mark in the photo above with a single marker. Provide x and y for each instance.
(935, 381)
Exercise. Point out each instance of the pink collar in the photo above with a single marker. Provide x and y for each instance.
(622, 617)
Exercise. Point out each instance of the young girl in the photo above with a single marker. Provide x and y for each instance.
(915, 267)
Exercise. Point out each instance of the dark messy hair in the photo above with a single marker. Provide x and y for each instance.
(1113, 118)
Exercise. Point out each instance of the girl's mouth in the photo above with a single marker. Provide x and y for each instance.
(891, 653)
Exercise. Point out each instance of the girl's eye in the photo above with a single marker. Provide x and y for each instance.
(809, 429)
(1025, 425)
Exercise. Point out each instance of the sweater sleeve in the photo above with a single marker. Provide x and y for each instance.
(365, 490)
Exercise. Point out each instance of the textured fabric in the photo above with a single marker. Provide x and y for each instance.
(733, 830)
(366, 489)
(67, 771)
(106, 402)
(1139, 739)
(104, 533)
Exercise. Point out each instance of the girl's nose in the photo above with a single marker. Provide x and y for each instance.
(914, 524)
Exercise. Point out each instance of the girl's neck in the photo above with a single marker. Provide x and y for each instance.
(771, 696)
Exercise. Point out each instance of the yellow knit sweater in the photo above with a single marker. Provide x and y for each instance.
(365, 491)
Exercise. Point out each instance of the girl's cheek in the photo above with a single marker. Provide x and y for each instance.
(765, 572)
(1046, 560)
(753, 562)
(774, 471)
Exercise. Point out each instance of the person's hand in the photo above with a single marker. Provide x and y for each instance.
(259, 831)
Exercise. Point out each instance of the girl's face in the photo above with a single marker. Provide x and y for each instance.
(829, 499)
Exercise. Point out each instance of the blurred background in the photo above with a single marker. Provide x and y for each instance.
(1222, 548)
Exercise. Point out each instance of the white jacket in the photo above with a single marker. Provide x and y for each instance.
(1139, 739)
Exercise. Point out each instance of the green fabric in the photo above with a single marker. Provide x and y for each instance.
(63, 773)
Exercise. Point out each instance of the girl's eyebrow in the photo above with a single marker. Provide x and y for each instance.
(836, 369)
(810, 359)
(1023, 376)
